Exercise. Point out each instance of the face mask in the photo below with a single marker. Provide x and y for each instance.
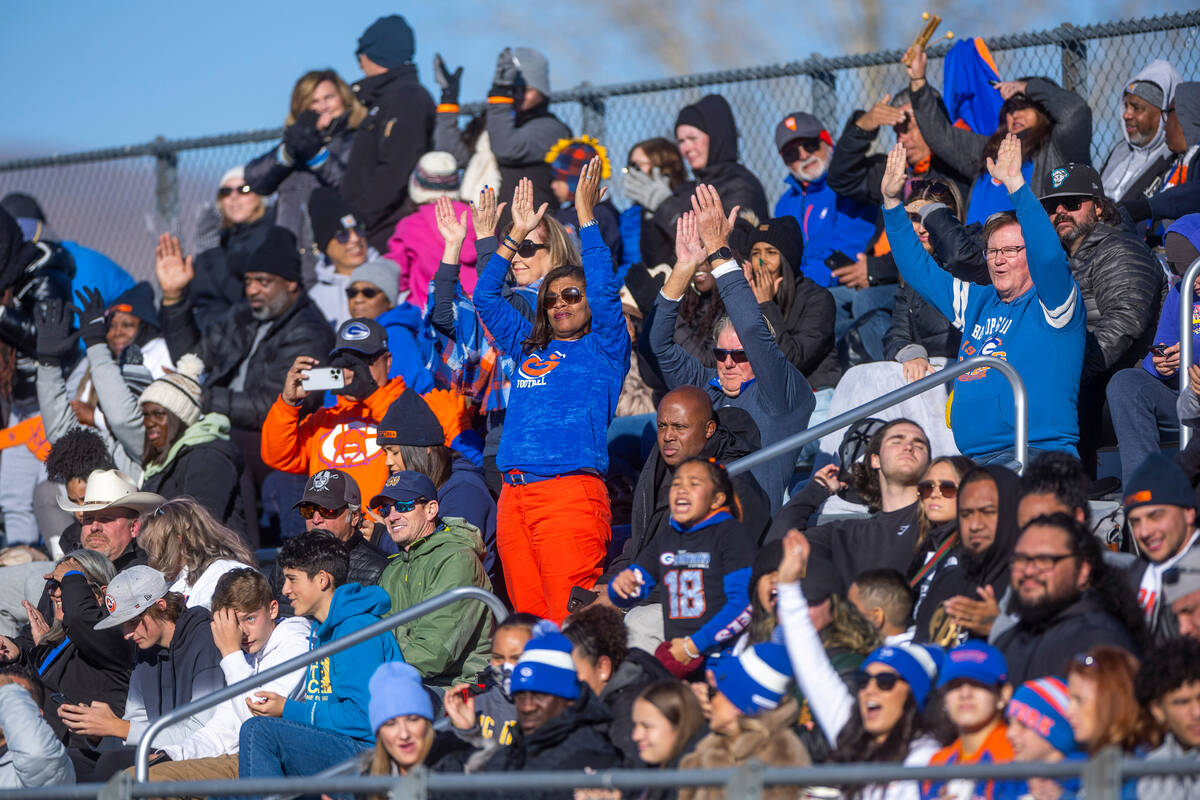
(502, 675)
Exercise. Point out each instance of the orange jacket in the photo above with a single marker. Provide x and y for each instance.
(341, 437)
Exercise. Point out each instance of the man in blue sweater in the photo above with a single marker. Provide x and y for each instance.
(1031, 316)
(752, 373)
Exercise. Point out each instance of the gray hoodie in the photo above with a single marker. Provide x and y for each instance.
(1128, 163)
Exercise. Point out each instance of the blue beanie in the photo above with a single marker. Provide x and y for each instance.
(546, 666)
(918, 665)
(396, 691)
(1042, 706)
(388, 42)
(757, 680)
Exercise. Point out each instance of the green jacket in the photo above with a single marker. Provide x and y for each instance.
(453, 643)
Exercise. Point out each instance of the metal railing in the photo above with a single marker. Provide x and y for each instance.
(952, 371)
(1186, 295)
(384, 625)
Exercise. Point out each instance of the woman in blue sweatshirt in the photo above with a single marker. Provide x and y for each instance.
(554, 523)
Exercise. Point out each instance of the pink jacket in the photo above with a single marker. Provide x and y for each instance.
(417, 247)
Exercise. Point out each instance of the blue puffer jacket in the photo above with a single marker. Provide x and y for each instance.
(830, 222)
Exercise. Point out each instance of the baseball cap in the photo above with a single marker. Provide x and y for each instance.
(976, 661)
(406, 485)
(130, 593)
(361, 335)
(332, 489)
(799, 125)
(1072, 180)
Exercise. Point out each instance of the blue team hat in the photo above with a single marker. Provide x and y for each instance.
(405, 485)
(1042, 705)
(396, 691)
(974, 660)
(546, 666)
(757, 680)
(918, 665)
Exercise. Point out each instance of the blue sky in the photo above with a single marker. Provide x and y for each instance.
(82, 75)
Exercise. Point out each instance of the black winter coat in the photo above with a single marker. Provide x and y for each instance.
(226, 341)
(366, 565)
(47, 275)
(1047, 649)
(915, 321)
(209, 473)
(397, 131)
(218, 285)
(805, 332)
(576, 739)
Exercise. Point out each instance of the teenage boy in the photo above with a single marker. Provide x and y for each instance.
(1169, 685)
(252, 639)
(331, 725)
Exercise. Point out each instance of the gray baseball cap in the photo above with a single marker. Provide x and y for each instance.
(130, 593)
(1183, 577)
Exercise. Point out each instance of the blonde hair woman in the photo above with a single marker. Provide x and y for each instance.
(185, 543)
(401, 715)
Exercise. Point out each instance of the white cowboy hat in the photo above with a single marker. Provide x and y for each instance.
(111, 488)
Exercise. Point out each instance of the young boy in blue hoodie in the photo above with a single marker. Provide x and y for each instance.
(331, 725)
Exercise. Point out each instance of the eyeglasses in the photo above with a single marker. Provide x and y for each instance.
(226, 191)
(886, 681)
(529, 247)
(343, 235)
(369, 292)
(309, 510)
(948, 489)
(738, 355)
(810, 146)
(1009, 252)
(571, 295)
(1040, 563)
(403, 506)
(1073, 203)
(53, 586)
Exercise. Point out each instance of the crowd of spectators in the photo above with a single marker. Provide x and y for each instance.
(424, 356)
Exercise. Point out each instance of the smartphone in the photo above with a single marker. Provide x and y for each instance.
(837, 259)
(579, 599)
(1160, 350)
(472, 689)
(320, 378)
(62, 700)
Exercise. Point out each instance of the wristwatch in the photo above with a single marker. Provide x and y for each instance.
(720, 254)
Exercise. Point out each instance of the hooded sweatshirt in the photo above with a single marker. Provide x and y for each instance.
(1129, 167)
(403, 323)
(452, 644)
(336, 695)
(1177, 193)
(329, 292)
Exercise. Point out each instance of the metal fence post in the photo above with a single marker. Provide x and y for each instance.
(1102, 775)
(824, 92)
(1186, 296)
(747, 782)
(1074, 59)
(166, 180)
(414, 786)
(592, 122)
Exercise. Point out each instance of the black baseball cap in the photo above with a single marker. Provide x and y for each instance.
(361, 335)
(332, 489)
(1072, 180)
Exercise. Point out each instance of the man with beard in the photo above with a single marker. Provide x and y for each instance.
(1135, 164)
(1119, 279)
(833, 227)
(1066, 598)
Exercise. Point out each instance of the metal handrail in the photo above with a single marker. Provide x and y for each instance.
(384, 625)
(952, 371)
(1185, 341)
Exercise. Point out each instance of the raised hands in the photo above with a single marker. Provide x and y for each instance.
(485, 214)
(453, 229)
(525, 218)
(796, 550)
(1006, 166)
(588, 193)
(711, 219)
(93, 321)
(916, 67)
(55, 340)
(1008, 88)
(447, 80)
(895, 175)
(174, 272)
(882, 113)
(689, 254)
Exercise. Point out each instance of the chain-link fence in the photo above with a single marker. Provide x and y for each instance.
(119, 200)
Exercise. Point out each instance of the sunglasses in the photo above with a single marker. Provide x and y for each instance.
(738, 355)
(309, 510)
(529, 247)
(343, 235)
(571, 295)
(1074, 203)
(948, 489)
(403, 506)
(369, 292)
(809, 146)
(52, 585)
(886, 681)
(226, 191)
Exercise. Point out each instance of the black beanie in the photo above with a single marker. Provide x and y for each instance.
(784, 234)
(1159, 482)
(139, 301)
(409, 420)
(277, 255)
(329, 214)
(692, 115)
(389, 42)
(21, 205)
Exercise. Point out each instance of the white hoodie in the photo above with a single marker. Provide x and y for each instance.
(1127, 162)
(219, 736)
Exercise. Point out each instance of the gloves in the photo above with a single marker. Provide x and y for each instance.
(93, 326)
(55, 339)
(301, 139)
(504, 82)
(676, 668)
(648, 191)
(449, 81)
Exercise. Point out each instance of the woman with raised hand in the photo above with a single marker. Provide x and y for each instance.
(553, 526)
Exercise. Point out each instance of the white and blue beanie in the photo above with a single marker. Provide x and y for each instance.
(546, 666)
(757, 680)
(917, 664)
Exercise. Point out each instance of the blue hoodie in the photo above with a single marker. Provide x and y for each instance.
(830, 222)
(336, 694)
(402, 323)
(1187, 226)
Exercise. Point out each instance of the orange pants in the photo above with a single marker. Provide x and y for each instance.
(552, 535)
